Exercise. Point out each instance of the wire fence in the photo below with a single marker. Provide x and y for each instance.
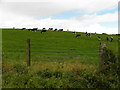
(52, 52)
(39, 52)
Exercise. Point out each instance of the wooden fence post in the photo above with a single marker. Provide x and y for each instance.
(28, 52)
(102, 55)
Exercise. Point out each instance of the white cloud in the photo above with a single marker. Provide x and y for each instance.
(39, 8)
(92, 19)
(87, 23)
(23, 14)
(101, 29)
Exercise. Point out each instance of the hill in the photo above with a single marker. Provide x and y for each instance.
(58, 59)
(54, 45)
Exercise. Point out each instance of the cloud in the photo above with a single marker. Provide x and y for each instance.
(41, 8)
(88, 23)
(102, 29)
(25, 14)
(31, 9)
(92, 19)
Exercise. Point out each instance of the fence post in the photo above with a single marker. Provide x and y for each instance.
(102, 55)
(28, 52)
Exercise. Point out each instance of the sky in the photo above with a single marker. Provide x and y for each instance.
(100, 16)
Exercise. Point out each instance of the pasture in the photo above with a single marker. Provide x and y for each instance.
(52, 49)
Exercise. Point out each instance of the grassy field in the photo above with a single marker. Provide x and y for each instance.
(54, 50)
(53, 46)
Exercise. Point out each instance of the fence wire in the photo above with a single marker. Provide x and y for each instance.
(38, 53)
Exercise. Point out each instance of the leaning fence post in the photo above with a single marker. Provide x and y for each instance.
(102, 55)
(28, 52)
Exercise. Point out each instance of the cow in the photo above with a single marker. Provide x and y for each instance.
(43, 30)
(55, 29)
(35, 29)
(78, 35)
(118, 38)
(29, 29)
(95, 33)
(104, 33)
(60, 30)
(111, 39)
(74, 32)
(99, 38)
(50, 29)
(107, 38)
(13, 27)
(88, 35)
(23, 28)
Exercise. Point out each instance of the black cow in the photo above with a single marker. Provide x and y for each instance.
(35, 29)
(55, 29)
(107, 38)
(29, 29)
(50, 29)
(99, 38)
(85, 32)
(23, 28)
(78, 35)
(43, 30)
(60, 30)
(74, 32)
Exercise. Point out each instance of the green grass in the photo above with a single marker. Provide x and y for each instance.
(53, 46)
(76, 59)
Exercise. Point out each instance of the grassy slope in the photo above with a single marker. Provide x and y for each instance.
(53, 46)
(60, 52)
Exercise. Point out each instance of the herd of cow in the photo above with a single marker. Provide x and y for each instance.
(76, 35)
(99, 37)
(43, 29)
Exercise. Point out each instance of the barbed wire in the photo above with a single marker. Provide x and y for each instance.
(46, 54)
(52, 51)
(51, 54)
(40, 50)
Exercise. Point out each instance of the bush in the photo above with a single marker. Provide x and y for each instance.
(108, 61)
(57, 79)
(47, 73)
(20, 69)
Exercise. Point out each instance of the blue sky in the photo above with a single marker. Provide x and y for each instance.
(68, 14)
(75, 13)
(109, 24)
(108, 11)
